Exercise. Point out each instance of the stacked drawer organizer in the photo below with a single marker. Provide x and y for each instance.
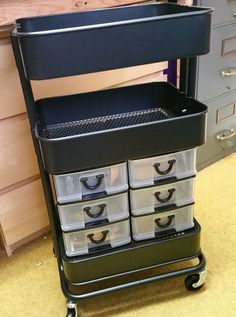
(99, 217)
(162, 194)
(87, 141)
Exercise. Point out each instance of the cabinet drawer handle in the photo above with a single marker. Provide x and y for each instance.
(100, 211)
(226, 134)
(84, 181)
(103, 238)
(164, 200)
(157, 165)
(164, 225)
(228, 72)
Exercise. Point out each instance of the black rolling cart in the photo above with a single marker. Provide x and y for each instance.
(117, 165)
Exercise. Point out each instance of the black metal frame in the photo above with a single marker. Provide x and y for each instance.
(187, 84)
(188, 270)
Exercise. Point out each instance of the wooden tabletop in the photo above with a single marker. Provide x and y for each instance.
(13, 9)
(10, 10)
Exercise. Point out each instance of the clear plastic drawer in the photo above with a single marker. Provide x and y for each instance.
(164, 168)
(158, 224)
(97, 239)
(87, 213)
(91, 184)
(157, 198)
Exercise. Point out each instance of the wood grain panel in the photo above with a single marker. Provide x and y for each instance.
(159, 76)
(92, 82)
(17, 160)
(11, 101)
(23, 212)
(13, 9)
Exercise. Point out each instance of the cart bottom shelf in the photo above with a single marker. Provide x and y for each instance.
(137, 256)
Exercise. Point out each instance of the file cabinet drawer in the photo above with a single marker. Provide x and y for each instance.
(158, 198)
(164, 168)
(83, 214)
(217, 70)
(225, 10)
(154, 225)
(221, 132)
(97, 239)
(92, 183)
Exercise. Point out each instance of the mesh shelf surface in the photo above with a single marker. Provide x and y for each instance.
(108, 127)
(93, 125)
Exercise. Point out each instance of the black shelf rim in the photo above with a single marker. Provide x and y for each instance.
(193, 10)
(173, 117)
(158, 265)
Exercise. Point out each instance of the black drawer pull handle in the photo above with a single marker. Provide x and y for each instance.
(171, 164)
(99, 178)
(104, 236)
(164, 225)
(164, 200)
(100, 211)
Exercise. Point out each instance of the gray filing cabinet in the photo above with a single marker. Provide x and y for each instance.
(216, 83)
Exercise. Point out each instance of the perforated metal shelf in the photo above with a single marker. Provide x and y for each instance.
(93, 125)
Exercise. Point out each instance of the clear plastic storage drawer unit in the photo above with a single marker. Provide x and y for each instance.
(164, 168)
(92, 183)
(97, 238)
(158, 224)
(87, 213)
(157, 198)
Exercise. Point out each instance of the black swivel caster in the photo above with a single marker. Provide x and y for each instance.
(71, 309)
(196, 281)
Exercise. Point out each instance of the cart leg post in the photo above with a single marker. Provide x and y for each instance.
(71, 309)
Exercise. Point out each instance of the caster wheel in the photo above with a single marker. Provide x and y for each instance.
(196, 281)
(190, 282)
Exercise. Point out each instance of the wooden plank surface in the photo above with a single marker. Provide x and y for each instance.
(92, 82)
(158, 76)
(11, 101)
(23, 212)
(13, 9)
(17, 159)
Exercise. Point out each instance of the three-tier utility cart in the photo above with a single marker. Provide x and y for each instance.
(117, 165)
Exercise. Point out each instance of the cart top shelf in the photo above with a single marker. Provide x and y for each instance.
(77, 43)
